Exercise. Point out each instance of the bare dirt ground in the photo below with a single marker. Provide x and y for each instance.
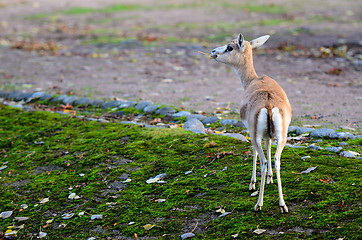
(148, 50)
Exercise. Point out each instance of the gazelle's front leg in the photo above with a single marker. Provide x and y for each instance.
(270, 170)
(253, 175)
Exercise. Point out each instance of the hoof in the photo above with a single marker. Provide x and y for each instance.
(284, 209)
(257, 208)
(269, 179)
(252, 186)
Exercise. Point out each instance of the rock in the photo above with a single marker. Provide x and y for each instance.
(210, 120)
(59, 98)
(23, 96)
(181, 114)
(96, 103)
(13, 95)
(35, 95)
(142, 105)
(348, 154)
(3, 94)
(117, 114)
(342, 135)
(151, 108)
(357, 137)
(321, 133)
(197, 131)
(193, 124)
(314, 147)
(127, 104)
(228, 122)
(301, 130)
(132, 122)
(237, 136)
(69, 100)
(112, 104)
(46, 97)
(239, 124)
(82, 101)
(333, 149)
(292, 129)
(168, 111)
(195, 116)
(343, 144)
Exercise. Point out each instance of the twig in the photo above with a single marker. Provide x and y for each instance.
(195, 227)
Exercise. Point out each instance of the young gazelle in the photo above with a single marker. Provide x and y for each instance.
(265, 110)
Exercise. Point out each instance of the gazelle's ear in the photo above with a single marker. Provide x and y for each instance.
(259, 41)
(241, 41)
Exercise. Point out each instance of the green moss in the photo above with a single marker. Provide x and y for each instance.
(51, 155)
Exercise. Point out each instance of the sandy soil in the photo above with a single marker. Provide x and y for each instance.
(151, 52)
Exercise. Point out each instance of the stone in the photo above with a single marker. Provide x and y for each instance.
(13, 95)
(210, 120)
(239, 124)
(292, 129)
(23, 96)
(151, 108)
(96, 103)
(82, 101)
(197, 131)
(314, 147)
(237, 136)
(3, 94)
(46, 97)
(228, 122)
(181, 114)
(194, 124)
(333, 149)
(132, 122)
(127, 104)
(69, 100)
(357, 137)
(168, 111)
(142, 105)
(117, 114)
(59, 98)
(195, 116)
(112, 104)
(322, 132)
(348, 154)
(343, 144)
(35, 95)
(342, 135)
(301, 130)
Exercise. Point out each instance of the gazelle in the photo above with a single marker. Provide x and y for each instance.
(265, 110)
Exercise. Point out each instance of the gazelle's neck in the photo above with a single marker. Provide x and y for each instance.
(245, 70)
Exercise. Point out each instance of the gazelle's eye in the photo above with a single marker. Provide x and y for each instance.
(229, 48)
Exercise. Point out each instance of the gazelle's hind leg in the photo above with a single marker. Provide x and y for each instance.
(263, 164)
(283, 207)
(253, 176)
(270, 170)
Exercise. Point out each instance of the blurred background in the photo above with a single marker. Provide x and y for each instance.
(148, 50)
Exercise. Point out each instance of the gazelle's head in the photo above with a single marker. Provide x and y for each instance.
(233, 52)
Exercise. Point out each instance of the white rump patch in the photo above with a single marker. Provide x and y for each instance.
(262, 126)
(278, 123)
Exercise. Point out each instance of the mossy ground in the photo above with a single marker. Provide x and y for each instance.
(48, 153)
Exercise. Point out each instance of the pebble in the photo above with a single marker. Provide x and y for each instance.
(168, 111)
(314, 147)
(35, 95)
(193, 124)
(342, 135)
(305, 157)
(181, 114)
(333, 149)
(96, 103)
(321, 133)
(82, 101)
(3, 94)
(70, 100)
(112, 104)
(228, 122)
(239, 124)
(142, 105)
(127, 104)
(347, 154)
(292, 128)
(97, 216)
(210, 120)
(195, 116)
(151, 108)
(117, 114)
(301, 130)
(343, 144)
(59, 98)
(46, 97)
(237, 136)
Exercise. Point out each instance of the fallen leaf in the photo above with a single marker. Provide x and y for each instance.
(259, 231)
(6, 214)
(148, 226)
(210, 144)
(224, 214)
(187, 235)
(21, 218)
(309, 169)
(235, 235)
(96, 216)
(42, 234)
(44, 200)
(326, 180)
(254, 193)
